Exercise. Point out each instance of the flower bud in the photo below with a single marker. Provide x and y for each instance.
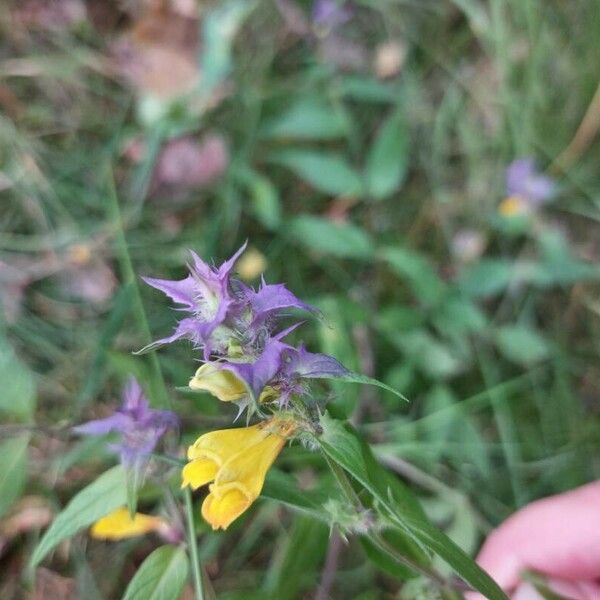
(222, 383)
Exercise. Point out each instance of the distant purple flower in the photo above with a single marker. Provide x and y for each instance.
(329, 14)
(139, 426)
(524, 181)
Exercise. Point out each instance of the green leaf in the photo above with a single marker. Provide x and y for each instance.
(304, 552)
(359, 378)
(283, 488)
(102, 496)
(435, 358)
(487, 277)
(400, 543)
(322, 235)
(18, 383)
(327, 172)
(364, 89)
(13, 470)
(417, 271)
(341, 443)
(388, 158)
(307, 118)
(161, 576)
(459, 315)
(219, 27)
(266, 205)
(521, 344)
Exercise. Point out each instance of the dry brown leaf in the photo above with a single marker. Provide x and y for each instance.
(159, 54)
(49, 584)
(30, 513)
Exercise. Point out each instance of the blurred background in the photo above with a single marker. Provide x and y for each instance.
(362, 148)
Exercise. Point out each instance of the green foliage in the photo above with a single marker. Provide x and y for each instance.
(304, 550)
(266, 204)
(357, 184)
(387, 160)
(308, 118)
(13, 470)
(102, 496)
(343, 446)
(18, 397)
(327, 172)
(322, 236)
(161, 576)
(521, 344)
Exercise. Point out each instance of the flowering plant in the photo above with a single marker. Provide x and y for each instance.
(242, 337)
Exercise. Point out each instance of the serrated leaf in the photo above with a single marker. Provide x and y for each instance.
(102, 496)
(387, 161)
(341, 443)
(18, 383)
(161, 576)
(521, 344)
(307, 118)
(13, 470)
(322, 235)
(328, 172)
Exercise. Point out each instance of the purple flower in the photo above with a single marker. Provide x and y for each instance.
(206, 294)
(140, 427)
(524, 181)
(329, 14)
(260, 372)
(224, 312)
(310, 365)
(283, 368)
(274, 297)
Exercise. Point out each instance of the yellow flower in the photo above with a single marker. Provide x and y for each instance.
(222, 383)
(512, 207)
(118, 525)
(237, 460)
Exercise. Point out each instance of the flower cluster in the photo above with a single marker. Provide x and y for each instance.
(237, 329)
(241, 342)
(239, 335)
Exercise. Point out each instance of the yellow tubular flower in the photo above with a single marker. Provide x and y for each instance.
(118, 525)
(222, 383)
(237, 460)
(212, 450)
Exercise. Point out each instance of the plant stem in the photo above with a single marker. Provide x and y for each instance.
(376, 538)
(193, 545)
